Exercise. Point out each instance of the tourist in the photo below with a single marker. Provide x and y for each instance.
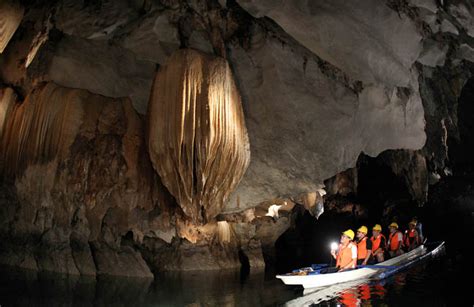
(395, 241)
(412, 238)
(346, 256)
(378, 243)
(364, 246)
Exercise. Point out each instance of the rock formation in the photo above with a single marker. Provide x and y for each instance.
(11, 14)
(197, 136)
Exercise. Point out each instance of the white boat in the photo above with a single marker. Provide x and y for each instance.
(321, 280)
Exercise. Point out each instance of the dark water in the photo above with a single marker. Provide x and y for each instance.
(444, 281)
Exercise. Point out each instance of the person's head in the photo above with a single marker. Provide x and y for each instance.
(347, 236)
(361, 232)
(393, 227)
(412, 224)
(376, 230)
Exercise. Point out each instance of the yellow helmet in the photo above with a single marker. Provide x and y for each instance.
(363, 229)
(394, 225)
(377, 227)
(349, 233)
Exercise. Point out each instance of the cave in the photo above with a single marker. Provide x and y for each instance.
(184, 152)
(461, 148)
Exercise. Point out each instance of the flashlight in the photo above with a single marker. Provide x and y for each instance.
(334, 246)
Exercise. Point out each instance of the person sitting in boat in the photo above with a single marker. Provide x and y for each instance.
(411, 239)
(395, 241)
(346, 256)
(378, 243)
(364, 246)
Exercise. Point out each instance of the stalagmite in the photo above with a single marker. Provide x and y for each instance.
(11, 14)
(197, 137)
(39, 129)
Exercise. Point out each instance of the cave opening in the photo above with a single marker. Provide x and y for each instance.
(379, 188)
(461, 149)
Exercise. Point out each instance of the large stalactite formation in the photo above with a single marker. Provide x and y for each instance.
(198, 140)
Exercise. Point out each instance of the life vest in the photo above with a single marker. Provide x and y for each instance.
(393, 239)
(410, 237)
(362, 248)
(376, 242)
(344, 256)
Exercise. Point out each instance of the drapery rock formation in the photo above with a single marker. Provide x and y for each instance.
(11, 14)
(63, 208)
(197, 136)
(87, 189)
(40, 129)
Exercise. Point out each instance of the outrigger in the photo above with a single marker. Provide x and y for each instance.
(314, 276)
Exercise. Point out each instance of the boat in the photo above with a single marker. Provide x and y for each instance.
(313, 278)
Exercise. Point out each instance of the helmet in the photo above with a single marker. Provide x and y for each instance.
(377, 227)
(363, 229)
(394, 225)
(349, 233)
(413, 222)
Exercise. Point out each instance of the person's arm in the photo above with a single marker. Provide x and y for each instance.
(416, 242)
(400, 241)
(333, 254)
(351, 264)
(368, 246)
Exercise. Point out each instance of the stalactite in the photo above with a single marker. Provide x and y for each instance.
(198, 140)
(39, 129)
(223, 232)
(11, 14)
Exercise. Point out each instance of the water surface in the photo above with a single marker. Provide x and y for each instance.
(435, 282)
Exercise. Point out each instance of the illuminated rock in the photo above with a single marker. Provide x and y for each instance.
(197, 136)
(41, 128)
(7, 102)
(11, 14)
(366, 39)
(75, 163)
(307, 121)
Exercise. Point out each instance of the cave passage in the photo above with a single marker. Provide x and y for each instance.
(461, 151)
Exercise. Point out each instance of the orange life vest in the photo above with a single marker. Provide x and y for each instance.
(376, 242)
(393, 239)
(362, 248)
(344, 256)
(410, 236)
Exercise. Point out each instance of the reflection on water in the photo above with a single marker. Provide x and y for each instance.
(186, 289)
(433, 283)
